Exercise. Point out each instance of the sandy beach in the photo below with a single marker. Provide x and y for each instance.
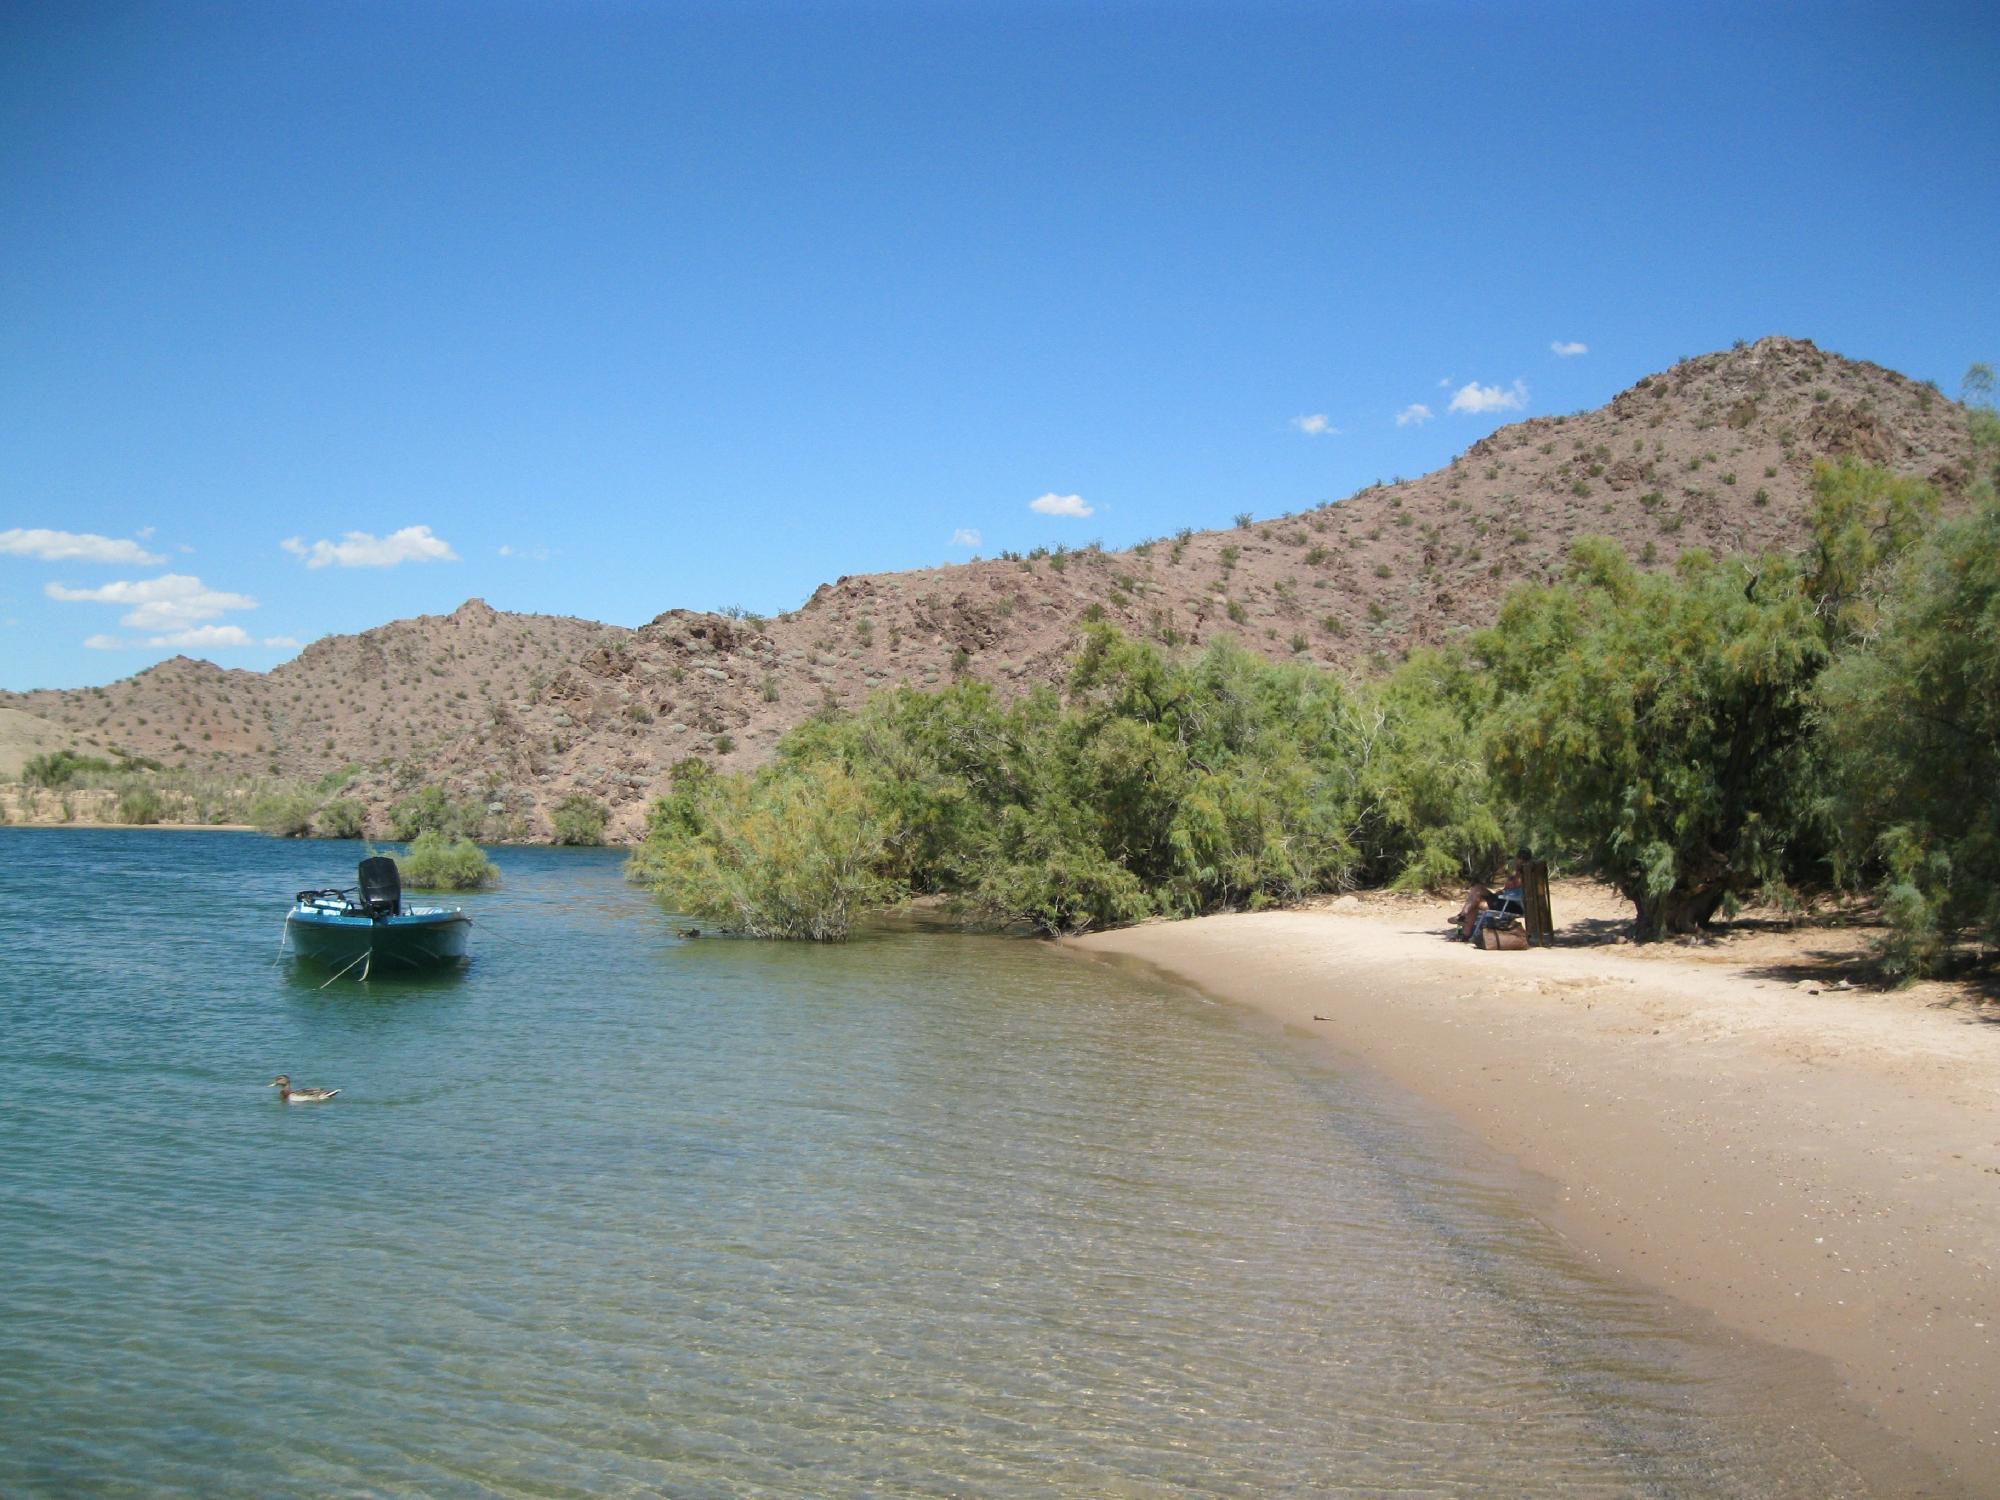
(101, 823)
(80, 807)
(1813, 1166)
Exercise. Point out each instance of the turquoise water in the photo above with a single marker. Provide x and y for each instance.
(610, 1213)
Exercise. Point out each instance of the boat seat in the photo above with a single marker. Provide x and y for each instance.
(381, 887)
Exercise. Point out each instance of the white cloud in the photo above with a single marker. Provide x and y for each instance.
(965, 536)
(1414, 415)
(173, 601)
(205, 636)
(536, 553)
(77, 546)
(195, 638)
(1474, 397)
(1568, 350)
(358, 549)
(1060, 505)
(1316, 425)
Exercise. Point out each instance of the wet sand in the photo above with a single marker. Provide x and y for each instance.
(1818, 1171)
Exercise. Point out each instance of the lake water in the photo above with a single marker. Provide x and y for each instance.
(610, 1213)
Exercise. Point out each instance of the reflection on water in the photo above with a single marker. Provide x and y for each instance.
(610, 1213)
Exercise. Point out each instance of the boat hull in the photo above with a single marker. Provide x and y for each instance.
(405, 943)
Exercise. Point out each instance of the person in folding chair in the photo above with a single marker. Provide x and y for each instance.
(1484, 908)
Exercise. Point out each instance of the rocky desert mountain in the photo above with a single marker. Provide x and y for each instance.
(520, 710)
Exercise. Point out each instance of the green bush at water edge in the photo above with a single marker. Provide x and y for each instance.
(772, 855)
(579, 819)
(1732, 727)
(342, 818)
(1150, 786)
(141, 805)
(433, 810)
(285, 812)
(436, 861)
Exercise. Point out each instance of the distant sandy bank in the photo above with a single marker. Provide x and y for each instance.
(156, 827)
(84, 807)
(1819, 1170)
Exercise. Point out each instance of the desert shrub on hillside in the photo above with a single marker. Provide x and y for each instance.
(437, 861)
(335, 779)
(52, 769)
(61, 768)
(579, 819)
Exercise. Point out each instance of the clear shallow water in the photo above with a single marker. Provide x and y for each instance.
(613, 1214)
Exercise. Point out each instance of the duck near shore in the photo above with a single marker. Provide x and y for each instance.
(291, 1095)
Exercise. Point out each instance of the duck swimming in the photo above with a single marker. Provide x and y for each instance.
(299, 1096)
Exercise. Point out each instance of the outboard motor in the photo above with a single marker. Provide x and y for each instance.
(381, 893)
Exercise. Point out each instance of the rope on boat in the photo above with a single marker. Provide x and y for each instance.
(506, 937)
(350, 964)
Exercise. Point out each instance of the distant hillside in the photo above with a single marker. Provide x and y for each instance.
(519, 710)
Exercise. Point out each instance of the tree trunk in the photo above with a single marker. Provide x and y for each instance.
(1682, 910)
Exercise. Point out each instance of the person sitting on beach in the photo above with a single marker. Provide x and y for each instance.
(1504, 905)
(1484, 906)
(1463, 918)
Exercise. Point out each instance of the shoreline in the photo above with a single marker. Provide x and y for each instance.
(1814, 1168)
(88, 825)
(93, 824)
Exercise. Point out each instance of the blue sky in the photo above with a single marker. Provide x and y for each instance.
(704, 306)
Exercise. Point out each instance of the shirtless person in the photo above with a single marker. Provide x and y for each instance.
(1507, 901)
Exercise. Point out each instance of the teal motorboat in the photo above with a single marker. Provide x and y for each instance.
(371, 929)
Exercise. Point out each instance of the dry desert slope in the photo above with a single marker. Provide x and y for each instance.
(520, 710)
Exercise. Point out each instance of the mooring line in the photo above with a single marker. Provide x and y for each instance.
(506, 937)
(350, 964)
